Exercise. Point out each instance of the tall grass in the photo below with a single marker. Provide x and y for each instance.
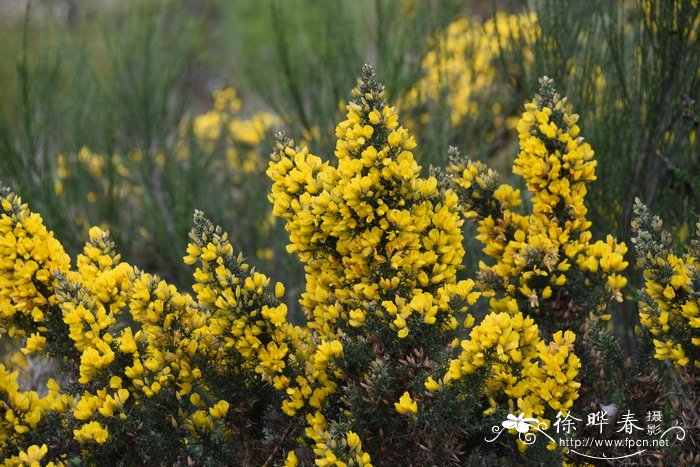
(122, 82)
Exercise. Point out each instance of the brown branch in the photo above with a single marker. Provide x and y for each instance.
(278, 444)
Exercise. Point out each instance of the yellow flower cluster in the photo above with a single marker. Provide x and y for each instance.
(245, 323)
(241, 137)
(462, 64)
(169, 365)
(92, 299)
(29, 255)
(22, 412)
(379, 243)
(340, 451)
(670, 305)
(546, 259)
(381, 246)
(524, 372)
(316, 382)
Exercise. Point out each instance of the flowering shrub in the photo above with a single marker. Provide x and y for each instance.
(669, 309)
(381, 248)
(191, 379)
(544, 263)
(384, 370)
(542, 260)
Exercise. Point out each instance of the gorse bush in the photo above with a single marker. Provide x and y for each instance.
(381, 248)
(393, 365)
(149, 385)
(545, 263)
(543, 260)
(668, 308)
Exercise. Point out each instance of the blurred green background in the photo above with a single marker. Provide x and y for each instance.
(107, 112)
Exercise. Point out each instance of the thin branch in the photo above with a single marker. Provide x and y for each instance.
(278, 444)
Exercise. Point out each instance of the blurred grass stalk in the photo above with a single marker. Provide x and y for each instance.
(95, 131)
(319, 45)
(112, 84)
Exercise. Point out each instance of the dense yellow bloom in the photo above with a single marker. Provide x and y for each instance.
(529, 373)
(243, 311)
(540, 257)
(381, 248)
(670, 306)
(23, 412)
(35, 343)
(90, 432)
(545, 264)
(461, 66)
(29, 257)
(370, 226)
(236, 328)
(93, 359)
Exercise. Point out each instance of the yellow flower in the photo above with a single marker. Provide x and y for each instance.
(91, 431)
(279, 290)
(291, 460)
(219, 410)
(353, 440)
(35, 343)
(33, 454)
(406, 405)
(431, 384)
